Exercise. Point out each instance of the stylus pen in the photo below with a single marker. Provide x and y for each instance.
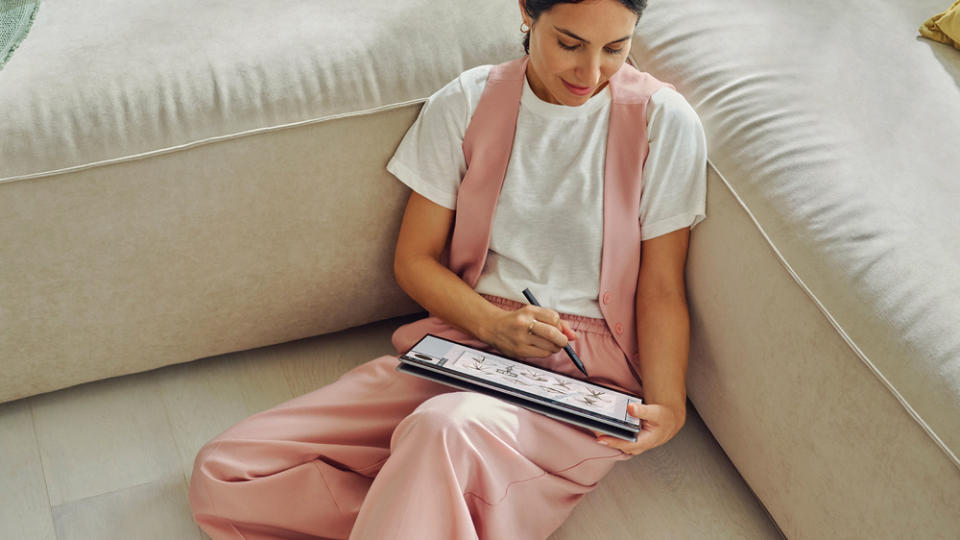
(573, 356)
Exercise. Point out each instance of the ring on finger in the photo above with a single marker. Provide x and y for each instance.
(530, 327)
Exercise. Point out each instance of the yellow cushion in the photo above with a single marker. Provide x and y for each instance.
(944, 27)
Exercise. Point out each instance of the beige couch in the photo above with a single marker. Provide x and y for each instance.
(185, 180)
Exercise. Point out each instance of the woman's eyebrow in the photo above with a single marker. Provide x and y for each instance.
(574, 36)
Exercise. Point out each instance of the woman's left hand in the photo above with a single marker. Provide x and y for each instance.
(659, 424)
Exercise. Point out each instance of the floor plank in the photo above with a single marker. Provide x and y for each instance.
(206, 397)
(153, 511)
(24, 506)
(103, 436)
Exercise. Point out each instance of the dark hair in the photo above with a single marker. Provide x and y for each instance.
(535, 8)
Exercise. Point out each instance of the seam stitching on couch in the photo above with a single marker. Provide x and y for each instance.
(836, 325)
(216, 138)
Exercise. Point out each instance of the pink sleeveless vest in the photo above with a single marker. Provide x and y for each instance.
(487, 145)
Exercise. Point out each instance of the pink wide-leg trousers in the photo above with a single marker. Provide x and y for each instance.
(384, 455)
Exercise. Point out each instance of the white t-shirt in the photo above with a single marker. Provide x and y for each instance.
(547, 231)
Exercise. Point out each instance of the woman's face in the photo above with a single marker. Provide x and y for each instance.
(576, 48)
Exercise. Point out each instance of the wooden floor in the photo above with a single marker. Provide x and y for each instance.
(112, 459)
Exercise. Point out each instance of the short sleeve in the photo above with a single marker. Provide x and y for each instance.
(674, 174)
(430, 158)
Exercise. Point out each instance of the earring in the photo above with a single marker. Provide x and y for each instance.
(524, 28)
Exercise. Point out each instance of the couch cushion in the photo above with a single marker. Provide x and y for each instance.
(832, 126)
(119, 80)
(835, 124)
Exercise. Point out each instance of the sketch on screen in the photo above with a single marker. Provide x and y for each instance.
(535, 381)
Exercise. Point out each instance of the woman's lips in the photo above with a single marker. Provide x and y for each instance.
(578, 90)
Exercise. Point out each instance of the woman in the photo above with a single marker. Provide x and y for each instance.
(525, 174)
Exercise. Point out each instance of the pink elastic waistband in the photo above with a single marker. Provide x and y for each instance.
(578, 323)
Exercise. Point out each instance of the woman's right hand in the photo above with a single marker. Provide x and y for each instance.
(529, 332)
(424, 233)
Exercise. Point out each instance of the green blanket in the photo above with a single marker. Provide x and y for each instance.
(16, 17)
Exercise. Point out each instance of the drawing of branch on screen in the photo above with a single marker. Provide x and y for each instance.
(536, 381)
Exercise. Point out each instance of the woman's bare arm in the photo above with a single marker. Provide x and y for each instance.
(663, 321)
(424, 233)
(663, 330)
